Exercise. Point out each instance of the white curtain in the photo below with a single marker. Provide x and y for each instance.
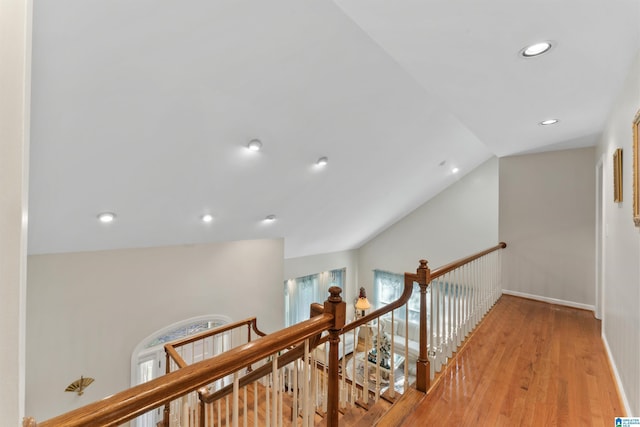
(301, 292)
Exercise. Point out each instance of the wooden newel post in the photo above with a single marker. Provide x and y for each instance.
(338, 308)
(423, 378)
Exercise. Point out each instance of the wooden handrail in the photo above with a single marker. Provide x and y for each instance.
(404, 298)
(172, 353)
(422, 276)
(441, 271)
(128, 404)
(250, 321)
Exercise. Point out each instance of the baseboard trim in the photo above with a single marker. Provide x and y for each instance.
(614, 368)
(551, 300)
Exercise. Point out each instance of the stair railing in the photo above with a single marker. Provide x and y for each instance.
(459, 295)
(453, 299)
(128, 404)
(259, 397)
(205, 345)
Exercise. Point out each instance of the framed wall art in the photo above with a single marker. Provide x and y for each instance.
(617, 175)
(636, 171)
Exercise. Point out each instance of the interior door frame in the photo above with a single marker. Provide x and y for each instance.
(601, 234)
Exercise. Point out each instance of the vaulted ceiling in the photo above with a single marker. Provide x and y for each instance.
(145, 108)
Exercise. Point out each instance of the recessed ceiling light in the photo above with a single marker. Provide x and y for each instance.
(207, 218)
(106, 217)
(536, 49)
(548, 122)
(322, 161)
(455, 170)
(254, 145)
(270, 218)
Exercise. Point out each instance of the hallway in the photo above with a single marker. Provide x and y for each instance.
(529, 363)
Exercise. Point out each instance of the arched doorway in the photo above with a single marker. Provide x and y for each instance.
(148, 358)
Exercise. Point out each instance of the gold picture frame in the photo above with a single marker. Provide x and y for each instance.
(617, 175)
(636, 171)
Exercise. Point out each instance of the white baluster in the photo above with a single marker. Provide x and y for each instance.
(478, 281)
(305, 385)
(323, 383)
(245, 407)
(437, 315)
(296, 366)
(489, 281)
(448, 319)
(458, 314)
(482, 284)
(313, 388)
(274, 388)
(377, 363)
(453, 296)
(472, 292)
(498, 275)
(281, 400)
(236, 395)
(255, 404)
(494, 277)
(392, 367)
(466, 297)
(184, 422)
(365, 386)
(354, 389)
(443, 317)
(343, 381)
(431, 332)
(267, 391)
(406, 345)
(478, 284)
(438, 318)
(476, 305)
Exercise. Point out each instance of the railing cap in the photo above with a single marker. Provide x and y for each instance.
(335, 292)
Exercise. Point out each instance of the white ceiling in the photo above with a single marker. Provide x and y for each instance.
(144, 108)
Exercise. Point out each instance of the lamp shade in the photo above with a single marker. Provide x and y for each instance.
(363, 304)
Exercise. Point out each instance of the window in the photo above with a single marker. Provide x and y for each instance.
(301, 292)
(388, 287)
(148, 357)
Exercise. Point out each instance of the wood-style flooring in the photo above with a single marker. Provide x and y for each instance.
(528, 363)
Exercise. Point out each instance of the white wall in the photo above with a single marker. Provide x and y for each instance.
(547, 217)
(15, 57)
(313, 264)
(621, 313)
(87, 311)
(457, 222)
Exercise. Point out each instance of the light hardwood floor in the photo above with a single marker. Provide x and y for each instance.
(528, 364)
